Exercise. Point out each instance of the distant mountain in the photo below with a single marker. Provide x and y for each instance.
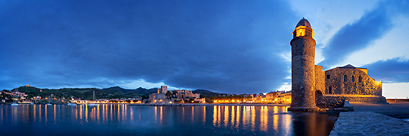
(206, 93)
(105, 93)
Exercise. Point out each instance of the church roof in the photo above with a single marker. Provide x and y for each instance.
(303, 22)
(348, 66)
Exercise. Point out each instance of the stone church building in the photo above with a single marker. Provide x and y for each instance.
(313, 88)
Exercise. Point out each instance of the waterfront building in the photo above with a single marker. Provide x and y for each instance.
(313, 88)
(164, 89)
(186, 95)
(158, 97)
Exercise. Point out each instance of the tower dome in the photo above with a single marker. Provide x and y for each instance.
(303, 22)
(303, 28)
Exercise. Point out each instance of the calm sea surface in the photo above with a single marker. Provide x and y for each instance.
(121, 119)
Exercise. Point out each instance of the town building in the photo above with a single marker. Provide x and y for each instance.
(159, 97)
(186, 95)
(164, 89)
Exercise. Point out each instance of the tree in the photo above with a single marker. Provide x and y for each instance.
(168, 94)
(174, 93)
(145, 97)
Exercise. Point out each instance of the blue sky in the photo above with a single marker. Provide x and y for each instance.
(224, 46)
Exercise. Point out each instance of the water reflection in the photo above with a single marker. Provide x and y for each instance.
(249, 120)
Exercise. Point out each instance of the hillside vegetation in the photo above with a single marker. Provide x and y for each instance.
(106, 93)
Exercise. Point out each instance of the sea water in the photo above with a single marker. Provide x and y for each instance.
(122, 119)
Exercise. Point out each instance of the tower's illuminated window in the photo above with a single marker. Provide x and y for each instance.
(302, 31)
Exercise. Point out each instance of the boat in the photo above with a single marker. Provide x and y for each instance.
(93, 99)
(14, 101)
(92, 104)
(49, 101)
(72, 104)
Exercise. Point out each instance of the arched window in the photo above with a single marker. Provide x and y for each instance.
(360, 79)
(345, 78)
(353, 79)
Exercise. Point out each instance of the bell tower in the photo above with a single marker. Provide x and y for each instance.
(303, 68)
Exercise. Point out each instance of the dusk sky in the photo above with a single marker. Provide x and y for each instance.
(224, 46)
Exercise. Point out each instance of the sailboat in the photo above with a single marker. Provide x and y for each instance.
(49, 101)
(14, 103)
(93, 99)
(14, 100)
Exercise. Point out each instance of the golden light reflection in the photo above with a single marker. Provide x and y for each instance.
(34, 113)
(161, 115)
(264, 118)
(103, 113)
(218, 116)
(118, 114)
(232, 116)
(123, 112)
(204, 115)
(193, 113)
(253, 118)
(275, 122)
(86, 113)
(214, 115)
(81, 112)
(275, 109)
(238, 117)
(226, 116)
(131, 113)
(244, 116)
(183, 113)
(39, 112)
(287, 123)
(98, 111)
(55, 114)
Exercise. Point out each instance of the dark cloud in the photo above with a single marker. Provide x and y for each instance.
(358, 35)
(391, 70)
(227, 46)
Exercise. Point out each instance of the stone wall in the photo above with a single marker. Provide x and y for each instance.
(351, 81)
(319, 79)
(337, 101)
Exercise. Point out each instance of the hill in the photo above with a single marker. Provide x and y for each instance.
(205, 93)
(105, 93)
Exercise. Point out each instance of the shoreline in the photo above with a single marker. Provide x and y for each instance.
(211, 104)
(179, 104)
